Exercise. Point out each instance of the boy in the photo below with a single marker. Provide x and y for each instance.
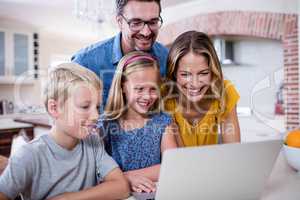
(71, 157)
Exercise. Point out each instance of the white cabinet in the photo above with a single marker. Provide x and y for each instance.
(2, 53)
(16, 56)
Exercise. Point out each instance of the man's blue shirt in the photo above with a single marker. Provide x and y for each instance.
(103, 57)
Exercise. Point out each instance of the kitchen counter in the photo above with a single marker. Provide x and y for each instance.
(11, 124)
(8, 130)
(41, 120)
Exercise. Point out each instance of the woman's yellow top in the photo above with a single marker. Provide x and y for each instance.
(206, 130)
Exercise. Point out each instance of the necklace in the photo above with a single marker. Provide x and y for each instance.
(194, 121)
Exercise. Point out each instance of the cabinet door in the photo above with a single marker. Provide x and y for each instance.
(2, 53)
(21, 53)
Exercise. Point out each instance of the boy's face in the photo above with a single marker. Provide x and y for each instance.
(79, 113)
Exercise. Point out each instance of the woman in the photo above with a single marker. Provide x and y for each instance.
(201, 102)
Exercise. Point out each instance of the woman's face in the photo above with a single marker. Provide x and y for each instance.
(193, 76)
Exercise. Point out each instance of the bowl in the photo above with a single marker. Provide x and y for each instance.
(292, 155)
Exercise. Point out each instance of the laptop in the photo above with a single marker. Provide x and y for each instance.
(214, 172)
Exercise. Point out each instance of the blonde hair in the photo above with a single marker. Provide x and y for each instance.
(64, 76)
(130, 63)
(200, 44)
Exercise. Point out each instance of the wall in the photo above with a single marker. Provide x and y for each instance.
(267, 25)
(255, 68)
(50, 46)
(189, 9)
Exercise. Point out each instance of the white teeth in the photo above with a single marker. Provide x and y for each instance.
(91, 129)
(194, 92)
(143, 104)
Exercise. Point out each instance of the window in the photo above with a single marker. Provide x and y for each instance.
(225, 51)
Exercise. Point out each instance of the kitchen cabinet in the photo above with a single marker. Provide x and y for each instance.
(16, 56)
(40, 122)
(8, 129)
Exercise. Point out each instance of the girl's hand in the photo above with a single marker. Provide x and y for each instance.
(140, 183)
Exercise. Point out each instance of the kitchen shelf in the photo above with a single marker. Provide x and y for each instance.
(13, 80)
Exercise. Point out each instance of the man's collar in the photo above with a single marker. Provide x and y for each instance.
(117, 50)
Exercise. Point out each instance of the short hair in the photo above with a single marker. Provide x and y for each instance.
(131, 62)
(120, 4)
(64, 76)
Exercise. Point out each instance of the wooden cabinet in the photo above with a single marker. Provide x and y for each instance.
(9, 129)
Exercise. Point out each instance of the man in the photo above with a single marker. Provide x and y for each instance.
(139, 22)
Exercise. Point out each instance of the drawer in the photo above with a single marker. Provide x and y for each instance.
(5, 150)
(6, 138)
(5, 141)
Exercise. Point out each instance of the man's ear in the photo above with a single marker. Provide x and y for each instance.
(53, 108)
(119, 21)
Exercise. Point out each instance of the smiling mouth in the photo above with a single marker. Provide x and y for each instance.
(196, 92)
(144, 104)
(90, 128)
(144, 39)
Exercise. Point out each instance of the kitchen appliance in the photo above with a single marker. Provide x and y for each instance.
(6, 107)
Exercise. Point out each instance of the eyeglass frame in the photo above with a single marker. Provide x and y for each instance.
(129, 21)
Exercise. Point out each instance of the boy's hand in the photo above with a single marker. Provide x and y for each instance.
(140, 183)
(3, 163)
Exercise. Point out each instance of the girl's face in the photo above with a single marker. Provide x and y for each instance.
(141, 90)
(193, 76)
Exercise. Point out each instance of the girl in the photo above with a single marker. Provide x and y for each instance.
(200, 100)
(137, 133)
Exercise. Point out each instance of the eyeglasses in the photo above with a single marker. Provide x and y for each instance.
(138, 24)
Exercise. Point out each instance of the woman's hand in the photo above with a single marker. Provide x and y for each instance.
(140, 183)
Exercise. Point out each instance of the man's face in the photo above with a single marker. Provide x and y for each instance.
(142, 39)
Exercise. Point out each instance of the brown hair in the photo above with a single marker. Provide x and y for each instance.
(200, 44)
(120, 4)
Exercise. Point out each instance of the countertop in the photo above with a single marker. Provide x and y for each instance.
(35, 119)
(11, 124)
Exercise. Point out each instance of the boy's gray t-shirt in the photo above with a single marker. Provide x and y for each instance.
(42, 169)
